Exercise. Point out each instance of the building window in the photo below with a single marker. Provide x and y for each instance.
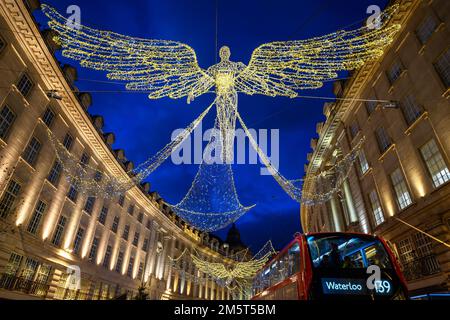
(98, 176)
(436, 165)
(130, 267)
(89, 206)
(55, 173)
(384, 142)
(140, 270)
(102, 216)
(131, 209)
(13, 266)
(2, 44)
(354, 129)
(68, 141)
(371, 105)
(426, 28)
(121, 200)
(8, 199)
(406, 251)
(401, 190)
(29, 269)
(59, 231)
(25, 85)
(410, 108)
(119, 262)
(31, 151)
(36, 218)
(48, 117)
(442, 66)
(363, 164)
(136, 239)
(84, 159)
(94, 246)
(148, 225)
(7, 118)
(73, 193)
(376, 207)
(107, 258)
(140, 217)
(78, 240)
(115, 224)
(395, 71)
(126, 232)
(145, 245)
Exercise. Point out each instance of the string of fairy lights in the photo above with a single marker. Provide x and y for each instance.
(170, 69)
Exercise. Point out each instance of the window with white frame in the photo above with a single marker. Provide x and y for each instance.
(363, 164)
(30, 268)
(410, 108)
(36, 217)
(126, 231)
(136, 238)
(9, 198)
(401, 189)
(442, 66)
(13, 266)
(377, 211)
(426, 28)
(7, 118)
(406, 250)
(435, 163)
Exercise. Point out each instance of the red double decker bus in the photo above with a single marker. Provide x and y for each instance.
(332, 266)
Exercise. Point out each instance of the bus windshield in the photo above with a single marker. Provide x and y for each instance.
(347, 251)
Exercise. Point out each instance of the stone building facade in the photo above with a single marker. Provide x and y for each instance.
(403, 169)
(51, 235)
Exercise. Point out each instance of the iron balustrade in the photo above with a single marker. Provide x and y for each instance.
(14, 283)
(421, 267)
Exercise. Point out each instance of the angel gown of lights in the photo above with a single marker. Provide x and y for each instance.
(170, 69)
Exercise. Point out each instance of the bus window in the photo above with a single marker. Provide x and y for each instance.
(294, 259)
(347, 251)
(376, 255)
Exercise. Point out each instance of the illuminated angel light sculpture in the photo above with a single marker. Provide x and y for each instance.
(170, 69)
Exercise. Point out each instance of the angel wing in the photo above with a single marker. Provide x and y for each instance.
(212, 268)
(247, 269)
(164, 68)
(281, 68)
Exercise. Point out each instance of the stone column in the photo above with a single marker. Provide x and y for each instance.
(168, 263)
(350, 203)
(336, 213)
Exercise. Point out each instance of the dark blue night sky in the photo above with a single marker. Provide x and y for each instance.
(144, 126)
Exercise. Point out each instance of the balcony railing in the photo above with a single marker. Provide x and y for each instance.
(20, 284)
(421, 267)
